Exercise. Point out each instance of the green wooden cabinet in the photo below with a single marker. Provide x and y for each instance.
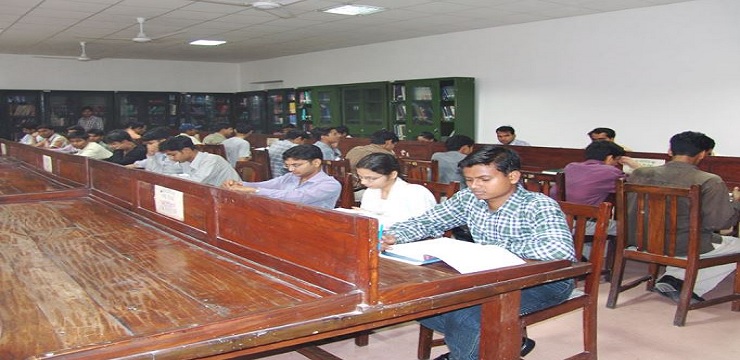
(251, 108)
(442, 106)
(150, 108)
(365, 108)
(326, 106)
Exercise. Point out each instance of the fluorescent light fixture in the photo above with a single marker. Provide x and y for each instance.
(354, 10)
(207, 42)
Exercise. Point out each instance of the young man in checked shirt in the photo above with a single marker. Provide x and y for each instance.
(499, 211)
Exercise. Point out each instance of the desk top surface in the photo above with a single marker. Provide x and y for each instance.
(76, 273)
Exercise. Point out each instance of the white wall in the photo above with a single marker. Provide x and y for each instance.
(648, 73)
(28, 72)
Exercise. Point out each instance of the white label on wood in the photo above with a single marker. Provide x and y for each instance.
(169, 202)
(47, 162)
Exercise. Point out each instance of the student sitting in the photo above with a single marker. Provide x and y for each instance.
(79, 140)
(305, 183)
(156, 160)
(498, 211)
(458, 147)
(125, 150)
(198, 166)
(387, 195)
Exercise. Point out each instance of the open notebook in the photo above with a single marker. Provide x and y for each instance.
(463, 256)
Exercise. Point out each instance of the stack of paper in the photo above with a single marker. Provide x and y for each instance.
(463, 256)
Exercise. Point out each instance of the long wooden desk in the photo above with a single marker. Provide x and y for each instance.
(103, 274)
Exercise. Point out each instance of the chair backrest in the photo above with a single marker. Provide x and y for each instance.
(347, 195)
(440, 191)
(336, 168)
(213, 149)
(577, 215)
(263, 157)
(426, 170)
(552, 185)
(662, 210)
(252, 171)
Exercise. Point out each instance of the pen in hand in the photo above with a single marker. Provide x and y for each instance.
(380, 238)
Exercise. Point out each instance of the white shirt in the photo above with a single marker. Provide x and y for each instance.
(236, 148)
(95, 151)
(404, 201)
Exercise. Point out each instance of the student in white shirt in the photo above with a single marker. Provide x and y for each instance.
(387, 195)
(91, 149)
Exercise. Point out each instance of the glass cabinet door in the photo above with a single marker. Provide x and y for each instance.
(19, 107)
(364, 108)
(65, 107)
(251, 108)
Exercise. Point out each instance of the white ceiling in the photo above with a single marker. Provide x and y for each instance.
(55, 27)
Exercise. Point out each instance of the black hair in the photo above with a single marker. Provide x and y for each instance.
(427, 135)
(75, 129)
(506, 129)
(455, 142)
(303, 152)
(295, 134)
(117, 136)
(505, 159)
(86, 108)
(690, 143)
(176, 143)
(321, 131)
(381, 136)
(244, 128)
(599, 150)
(98, 132)
(135, 124)
(342, 129)
(220, 126)
(78, 135)
(380, 163)
(45, 126)
(610, 133)
(157, 133)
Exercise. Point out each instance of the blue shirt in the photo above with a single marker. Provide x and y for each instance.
(530, 225)
(320, 190)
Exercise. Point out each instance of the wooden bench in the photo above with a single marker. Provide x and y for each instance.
(230, 275)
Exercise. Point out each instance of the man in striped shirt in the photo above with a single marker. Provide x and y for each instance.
(498, 211)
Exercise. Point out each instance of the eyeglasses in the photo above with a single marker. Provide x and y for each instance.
(295, 165)
(368, 178)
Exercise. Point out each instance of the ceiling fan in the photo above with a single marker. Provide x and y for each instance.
(274, 7)
(142, 37)
(82, 57)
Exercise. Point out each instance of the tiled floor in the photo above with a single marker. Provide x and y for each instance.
(641, 327)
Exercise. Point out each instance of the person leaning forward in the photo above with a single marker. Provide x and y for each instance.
(498, 211)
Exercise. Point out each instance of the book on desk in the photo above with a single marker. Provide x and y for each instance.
(463, 256)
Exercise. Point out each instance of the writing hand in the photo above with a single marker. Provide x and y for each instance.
(387, 241)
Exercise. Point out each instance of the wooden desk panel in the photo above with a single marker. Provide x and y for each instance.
(214, 286)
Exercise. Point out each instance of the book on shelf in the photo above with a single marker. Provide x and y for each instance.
(399, 92)
(448, 93)
(463, 256)
(400, 112)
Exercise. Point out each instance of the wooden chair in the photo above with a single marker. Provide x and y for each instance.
(336, 168)
(440, 191)
(263, 157)
(655, 236)
(347, 196)
(545, 183)
(252, 171)
(585, 298)
(426, 170)
(213, 149)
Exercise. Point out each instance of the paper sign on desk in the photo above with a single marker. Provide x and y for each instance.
(463, 256)
(169, 202)
(47, 163)
(643, 163)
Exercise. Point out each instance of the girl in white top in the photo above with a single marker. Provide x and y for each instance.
(387, 195)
